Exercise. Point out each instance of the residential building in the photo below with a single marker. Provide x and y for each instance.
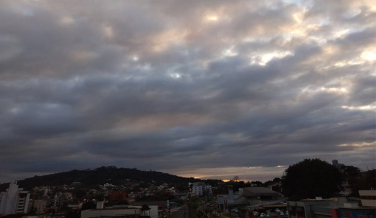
(58, 200)
(14, 200)
(108, 186)
(199, 189)
(38, 205)
(117, 196)
(368, 198)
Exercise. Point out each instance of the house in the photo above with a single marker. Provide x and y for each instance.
(303, 208)
(224, 201)
(38, 205)
(368, 198)
(125, 211)
(117, 196)
(260, 193)
(161, 205)
(335, 208)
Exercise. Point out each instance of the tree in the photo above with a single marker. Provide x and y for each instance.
(122, 202)
(144, 208)
(354, 178)
(350, 171)
(72, 214)
(359, 180)
(88, 205)
(256, 183)
(242, 211)
(370, 179)
(208, 211)
(230, 208)
(79, 193)
(311, 178)
(192, 207)
(33, 211)
(236, 179)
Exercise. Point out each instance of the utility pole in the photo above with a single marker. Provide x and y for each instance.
(168, 208)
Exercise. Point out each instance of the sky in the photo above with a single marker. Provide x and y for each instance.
(199, 88)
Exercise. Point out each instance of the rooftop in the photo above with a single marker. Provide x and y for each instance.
(258, 191)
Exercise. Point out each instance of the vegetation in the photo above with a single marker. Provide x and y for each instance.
(193, 205)
(88, 205)
(311, 178)
(101, 175)
(242, 211)
(144, 208)
(158, 196)
(230, 208)
(208, 211)
(229, 215)
(358, 180)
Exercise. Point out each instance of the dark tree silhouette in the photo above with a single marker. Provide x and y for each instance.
(79, 194)
(358, 180)
(99, 176)
(144, 208)
(88, 205)
(311, 178)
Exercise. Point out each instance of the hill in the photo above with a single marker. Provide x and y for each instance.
(100, 176)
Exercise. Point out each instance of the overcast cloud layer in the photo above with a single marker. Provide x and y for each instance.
(204, 88)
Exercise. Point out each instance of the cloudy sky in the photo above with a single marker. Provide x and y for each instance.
(203, 88)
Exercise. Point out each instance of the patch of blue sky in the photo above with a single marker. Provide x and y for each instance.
(287, 36)
(302, 3)
(257, 39)
(324, 22)
(23, 11)
(351, 13)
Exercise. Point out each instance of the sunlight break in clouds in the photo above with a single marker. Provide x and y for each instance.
(369, 55)
(212, 18)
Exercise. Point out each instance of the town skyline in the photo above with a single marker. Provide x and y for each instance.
(226, 178)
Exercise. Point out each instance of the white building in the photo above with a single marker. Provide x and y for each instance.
(58, 200)
(368, 198)
(200, 189)
(14, 200)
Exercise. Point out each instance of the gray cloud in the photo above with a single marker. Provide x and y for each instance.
(210, 89)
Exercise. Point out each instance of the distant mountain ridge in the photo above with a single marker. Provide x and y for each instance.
(100, 176)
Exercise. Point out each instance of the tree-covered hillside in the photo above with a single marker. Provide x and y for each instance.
(100, 176)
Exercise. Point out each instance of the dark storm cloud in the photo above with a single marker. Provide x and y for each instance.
(205, 88)
(364, 91)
